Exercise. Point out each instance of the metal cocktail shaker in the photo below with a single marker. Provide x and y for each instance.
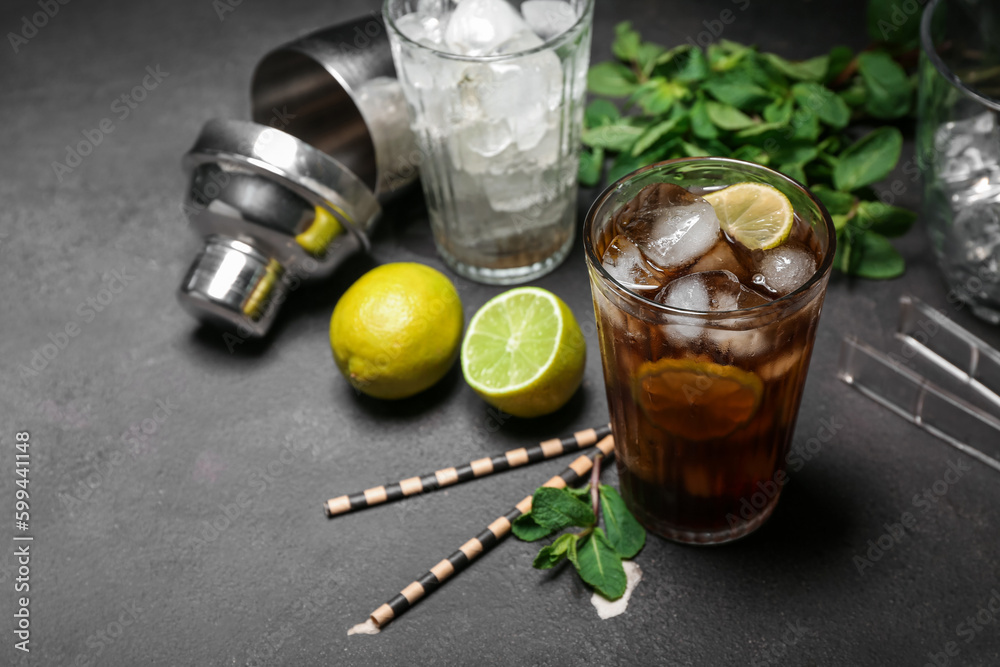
(289, 196)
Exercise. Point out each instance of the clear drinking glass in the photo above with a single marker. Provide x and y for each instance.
(703, 404)
(495, 91)
(958, 145)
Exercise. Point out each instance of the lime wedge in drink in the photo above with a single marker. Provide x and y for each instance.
(697, 400)
(523, 352)
(757, 215)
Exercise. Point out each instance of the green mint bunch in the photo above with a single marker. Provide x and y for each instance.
(800, 118)
(596, 553)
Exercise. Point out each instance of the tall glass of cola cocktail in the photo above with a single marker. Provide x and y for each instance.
(705, 341)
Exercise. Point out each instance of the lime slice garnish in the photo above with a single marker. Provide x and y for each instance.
(757, 215)
(523, 352)
(697, 400)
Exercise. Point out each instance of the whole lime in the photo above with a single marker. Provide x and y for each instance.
(397, 330)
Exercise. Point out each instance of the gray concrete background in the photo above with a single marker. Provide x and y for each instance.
(121, 521)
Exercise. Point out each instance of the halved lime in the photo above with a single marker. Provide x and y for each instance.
(697, 400)
(757, 215)
(523, 352)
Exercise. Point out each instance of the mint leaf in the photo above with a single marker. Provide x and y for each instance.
(600, 566)
(626, 43)
(626, 163)
(836, 202)
(856, 95)
(751, 153)
(647, 56)
(581, 492)
(572, 554)
(869, 159)
(601, 112)
(691, 66)
(657, 132)
(591, 163)
(872, 256)
(658, 95)
(701, 124)
(737, 91)
(612, 79)
(779, 111)
(557, 509)
(725, 55)
(805, 124)
(795, 152)
(813, 69)
(612, 137)
(727, 117)
(526, 528)
(794, 171)
(886, 220)
(758, 129)
(840, 58)
(825, 103)
(888, 89)
(624, 532)
(552, 554)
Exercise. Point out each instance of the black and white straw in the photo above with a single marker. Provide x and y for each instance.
(481, 543)
(457, 474)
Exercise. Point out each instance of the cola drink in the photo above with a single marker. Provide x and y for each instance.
(705, 344)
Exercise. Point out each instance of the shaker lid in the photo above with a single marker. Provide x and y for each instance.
(290, 162)
(250, 188)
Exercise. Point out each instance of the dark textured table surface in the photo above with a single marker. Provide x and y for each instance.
(145, 429)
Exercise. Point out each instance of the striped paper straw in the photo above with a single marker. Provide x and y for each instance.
(454, 475)
(481, 543)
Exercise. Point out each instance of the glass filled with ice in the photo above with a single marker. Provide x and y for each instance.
(495, 91)
(705, 341)
(958, 145)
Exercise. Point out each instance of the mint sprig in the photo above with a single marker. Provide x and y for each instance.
(801, 118)
(596, 553)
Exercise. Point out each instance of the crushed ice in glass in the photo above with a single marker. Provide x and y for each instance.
(501, 125)
(965, 194)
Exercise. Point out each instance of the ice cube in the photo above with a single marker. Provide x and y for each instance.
(520, 90)
(707, 291)
(626, 264)
(721, 257)
(784, 269)
(478, 27)
(967, 157)
(750, 298)
(671, 226)
(972, 245)
(422, 28)
(524, 40)
(435, 8)
(548, 18)
(515, 190)
(503, 126)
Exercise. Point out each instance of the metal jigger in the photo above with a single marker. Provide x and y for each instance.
(289, 197)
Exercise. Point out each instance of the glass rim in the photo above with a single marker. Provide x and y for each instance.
(547, 45)
(928, 49)
(821, 271)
